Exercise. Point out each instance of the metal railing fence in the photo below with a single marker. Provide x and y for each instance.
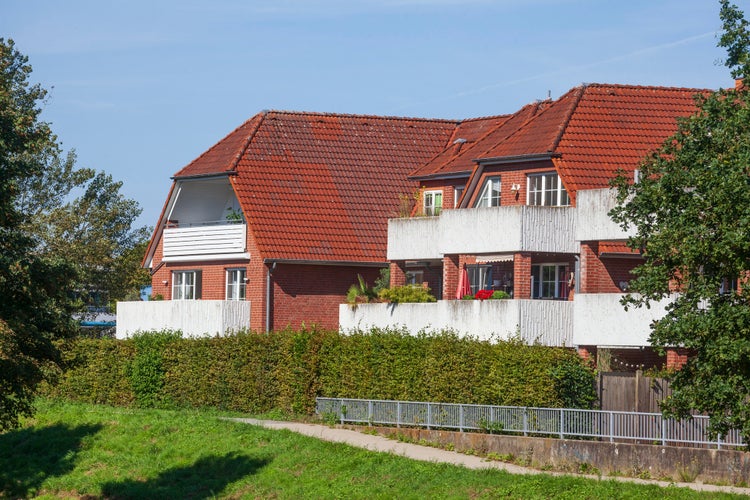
(613, 426)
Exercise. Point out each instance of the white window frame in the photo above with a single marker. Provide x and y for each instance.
(487, 196)
(480, 277)
(560, 282)
(236, 283)
(432, 202)
(546, 195)
(457, 192)
(185, 285)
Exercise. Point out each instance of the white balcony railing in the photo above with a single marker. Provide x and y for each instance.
(218, 241)
(195, 318)
(548, 322)
(483, 230)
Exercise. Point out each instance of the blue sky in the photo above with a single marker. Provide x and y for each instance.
(141, 88)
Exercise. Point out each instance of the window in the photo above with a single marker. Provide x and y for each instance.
(432, 202)
(550, 281)
(236, 284)
(186, 285)
(546, 190)
(457, 192)
(414, 277)
(490, 194)
(480, 277)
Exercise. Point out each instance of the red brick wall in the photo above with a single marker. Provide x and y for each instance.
(311, 294)
(398, 274)
(604, 274)
(522, 276)
(676, 358)
(450, 276)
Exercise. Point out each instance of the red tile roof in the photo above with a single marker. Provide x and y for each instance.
(322, 186)
(591, 131)
(615, 127)
(480, 134)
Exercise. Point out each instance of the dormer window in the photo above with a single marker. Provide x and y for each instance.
(432, 202)
(546, 190)
(490, 193)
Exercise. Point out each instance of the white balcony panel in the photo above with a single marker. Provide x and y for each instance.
(195, 318)
(415, 238)
(204, 241)
(546, 322)
(600, 319)
(483, 230)
(593, 221)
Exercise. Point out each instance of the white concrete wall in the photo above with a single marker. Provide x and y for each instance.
(483, 230)
(593, 223)
(546, 322)
(600, 319)
(196, 318)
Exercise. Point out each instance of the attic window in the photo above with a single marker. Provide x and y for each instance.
(546, 190)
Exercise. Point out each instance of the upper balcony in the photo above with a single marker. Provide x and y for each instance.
(205, 242)
(509, 229)
(592, 213)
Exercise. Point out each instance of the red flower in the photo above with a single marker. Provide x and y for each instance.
(483, 294)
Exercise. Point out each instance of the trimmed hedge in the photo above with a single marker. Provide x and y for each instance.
(286, 370)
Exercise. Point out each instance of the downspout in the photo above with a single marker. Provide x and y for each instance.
(269, 271)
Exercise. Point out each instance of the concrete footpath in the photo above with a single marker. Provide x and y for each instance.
(430, 454)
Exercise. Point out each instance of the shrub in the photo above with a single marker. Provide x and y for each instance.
(500, 295)
(407, 293)
(360, 292)
(285, 371)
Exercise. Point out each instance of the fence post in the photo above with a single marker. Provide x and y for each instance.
(718, 441)
(525, 421)
(562, 423)
(369, 413)
(663, 431)
(611, 427)
(429, 416)
(461, 418)
(398, 414)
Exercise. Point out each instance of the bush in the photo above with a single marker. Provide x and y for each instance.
(407, 293)
(285, 371)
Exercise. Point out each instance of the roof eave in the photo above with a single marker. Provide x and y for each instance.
(500, 160)
(203, 176)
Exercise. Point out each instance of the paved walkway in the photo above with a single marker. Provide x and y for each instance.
(431, 454)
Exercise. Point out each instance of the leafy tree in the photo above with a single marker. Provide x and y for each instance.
(94, 230)
(691, 215)
(35, 307)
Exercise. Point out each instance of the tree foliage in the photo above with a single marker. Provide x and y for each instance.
(94, 230)
(691, 214)
(35, 307)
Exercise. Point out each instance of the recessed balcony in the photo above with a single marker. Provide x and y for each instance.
(209, 241)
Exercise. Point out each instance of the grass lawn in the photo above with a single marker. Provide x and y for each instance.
(75, 450)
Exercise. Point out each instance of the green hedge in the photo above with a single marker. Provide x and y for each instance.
(285, 371)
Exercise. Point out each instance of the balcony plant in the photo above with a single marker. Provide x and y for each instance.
(407, 293)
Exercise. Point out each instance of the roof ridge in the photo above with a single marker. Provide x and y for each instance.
(635, 86)
(355, 115)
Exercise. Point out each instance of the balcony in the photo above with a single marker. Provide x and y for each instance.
(205, 242)
(547, 322)
(483, 230)
(593, 222)
(601, 320)
(195, 318)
